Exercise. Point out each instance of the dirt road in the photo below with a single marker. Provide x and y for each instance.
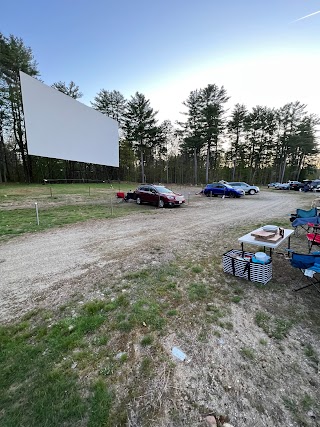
(46, 268)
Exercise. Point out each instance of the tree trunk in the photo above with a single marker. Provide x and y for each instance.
(3, 166)
(142, 167)
(283, 170)
(207, 163)
(234, 170)
(300, 166)
(195, 158)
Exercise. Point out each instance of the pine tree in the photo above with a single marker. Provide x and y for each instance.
(140, 128)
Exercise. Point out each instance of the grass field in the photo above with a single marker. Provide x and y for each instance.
(58, 205)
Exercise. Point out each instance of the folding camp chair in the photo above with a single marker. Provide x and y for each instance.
(314, 238)
(309, 265)
(303, 219)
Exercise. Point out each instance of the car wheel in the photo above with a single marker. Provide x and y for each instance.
(138, 201)
(232, 195)
(161, 203)
(209, 194)
(251, 192)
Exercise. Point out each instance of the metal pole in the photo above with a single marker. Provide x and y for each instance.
(89, 190)
(51, 192)
(111, 206)
(37, 213)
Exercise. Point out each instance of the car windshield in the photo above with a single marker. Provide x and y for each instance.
(228, 186)
(161, 189)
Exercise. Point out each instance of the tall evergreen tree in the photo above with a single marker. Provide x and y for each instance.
(111, 103)
(15, 57)
(236, 128)
(140, 128)
(213, 99)
(71, 89)
(191, 132)
(261, 125)
(303, 143)
(289, 118)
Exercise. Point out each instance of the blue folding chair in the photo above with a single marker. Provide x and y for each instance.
(310, 262)
(304, 219)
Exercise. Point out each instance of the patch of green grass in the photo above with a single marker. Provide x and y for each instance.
(262, 320)
(146, 340)
(19, 221)
(236, 299)
(123, 358)
(146, 367)
(203, 336)
(197, 291)
(125, 326)
(147, 312)
(281, 328)
(32, 376)
(248, 353)
(101, 340)
(100, 403)
(108, 369)
(228, 326)
(289, 404)
(298, 409)
(310, 352)
(93, 307)
(196, 269)
(307, 402)
(262, 341)
(273, 327)
(215, 313)
(141, 313)
(172, 312)
(142, 274)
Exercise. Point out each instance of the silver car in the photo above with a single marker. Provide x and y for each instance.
(248, 189)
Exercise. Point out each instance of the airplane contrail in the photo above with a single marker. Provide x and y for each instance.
(307, 16)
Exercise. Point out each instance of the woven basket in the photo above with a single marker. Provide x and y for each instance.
(260, 273)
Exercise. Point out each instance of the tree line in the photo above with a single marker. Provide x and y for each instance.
(208, 144)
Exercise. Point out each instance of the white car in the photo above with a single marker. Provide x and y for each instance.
(248, 189)
(283, 186)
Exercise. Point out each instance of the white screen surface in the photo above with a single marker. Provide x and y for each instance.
(60, 127)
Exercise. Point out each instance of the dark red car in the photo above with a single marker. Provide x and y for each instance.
(158, 195)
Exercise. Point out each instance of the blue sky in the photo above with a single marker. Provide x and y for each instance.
(166, 49)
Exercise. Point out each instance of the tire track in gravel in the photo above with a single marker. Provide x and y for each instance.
(74, 257)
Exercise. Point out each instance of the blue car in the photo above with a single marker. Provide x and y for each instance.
(220, 189)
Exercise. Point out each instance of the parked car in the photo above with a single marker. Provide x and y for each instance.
(284, 186)
(157, 195)
(315, 185)
(273, 184)
(221, 189)
(295, 185)
(248, 189)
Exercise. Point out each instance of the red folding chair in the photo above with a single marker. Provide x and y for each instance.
(314, 238)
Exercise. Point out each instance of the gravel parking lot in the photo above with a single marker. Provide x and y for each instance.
(45, 268)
